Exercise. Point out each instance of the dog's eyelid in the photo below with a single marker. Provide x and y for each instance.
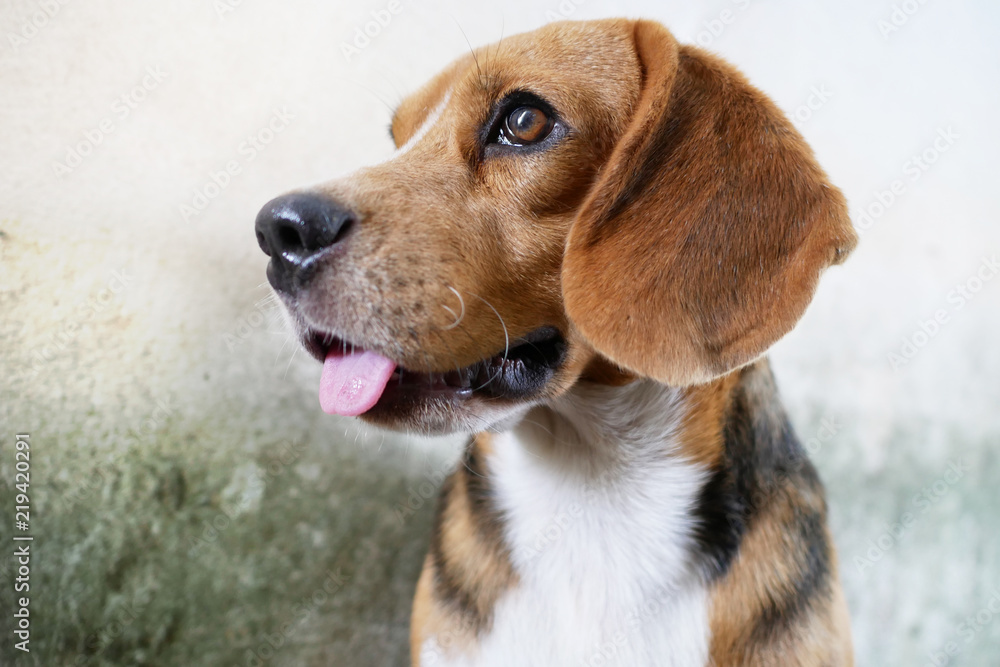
(519, 98)
(508, 103)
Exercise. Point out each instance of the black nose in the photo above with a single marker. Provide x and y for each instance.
(293, 229)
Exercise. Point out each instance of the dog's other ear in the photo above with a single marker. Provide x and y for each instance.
(703, 238)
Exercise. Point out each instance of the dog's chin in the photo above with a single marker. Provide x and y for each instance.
(477, 397)
(443, 416)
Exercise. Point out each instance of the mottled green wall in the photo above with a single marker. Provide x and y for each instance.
(189, 499)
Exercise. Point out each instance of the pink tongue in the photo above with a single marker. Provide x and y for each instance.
(352, 383)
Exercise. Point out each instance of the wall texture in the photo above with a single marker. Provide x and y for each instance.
(191, 505)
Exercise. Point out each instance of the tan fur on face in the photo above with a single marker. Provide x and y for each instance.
(444, 227)
(673, 166)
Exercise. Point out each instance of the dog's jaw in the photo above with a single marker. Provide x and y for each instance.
(361, 379)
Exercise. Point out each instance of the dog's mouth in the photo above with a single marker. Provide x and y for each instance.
(355, 379)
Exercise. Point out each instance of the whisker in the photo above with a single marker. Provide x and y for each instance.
(471, 471)
(290, 359)
(506, 339)
(288, 335)
(496, 54)
(459, 317)
(372, 92)
(451, 353)
(471, 50)
(467, 334)
(281, 349)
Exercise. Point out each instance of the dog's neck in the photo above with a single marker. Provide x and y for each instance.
(686, 461)
(624, 508)
(613, 458)
(598, 503)
(601, 432)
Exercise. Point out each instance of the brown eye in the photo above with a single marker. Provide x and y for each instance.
(527, 125)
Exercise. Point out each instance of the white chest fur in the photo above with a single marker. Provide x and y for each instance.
(598, 517)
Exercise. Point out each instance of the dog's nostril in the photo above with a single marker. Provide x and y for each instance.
(302, 224)
(342, 232)
(262, 242)
(294, 228)
(289, 239)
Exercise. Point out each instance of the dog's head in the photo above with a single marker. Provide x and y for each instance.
(586, 202)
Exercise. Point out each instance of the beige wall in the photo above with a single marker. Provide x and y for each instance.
(190, 497)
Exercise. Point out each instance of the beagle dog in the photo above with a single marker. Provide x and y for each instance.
(580, 252)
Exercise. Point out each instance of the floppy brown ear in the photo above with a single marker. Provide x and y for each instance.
(704, 236)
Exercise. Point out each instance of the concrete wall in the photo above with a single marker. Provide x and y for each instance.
(189, 499)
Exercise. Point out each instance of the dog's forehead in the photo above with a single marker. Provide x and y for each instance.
(584, 68)
(571, 45)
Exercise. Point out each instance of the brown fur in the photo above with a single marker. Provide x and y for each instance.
(701, 157)
(672, 167)
(763, 611)
(701, 431)
(748, 594)
(430, 211)
(780, 603)
(467, 567)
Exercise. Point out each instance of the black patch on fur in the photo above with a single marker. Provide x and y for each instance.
(721, 525)
(479, 491)
(812, 583)
(479, 494)
(447, 586)
(764, 463)
(761, 456)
